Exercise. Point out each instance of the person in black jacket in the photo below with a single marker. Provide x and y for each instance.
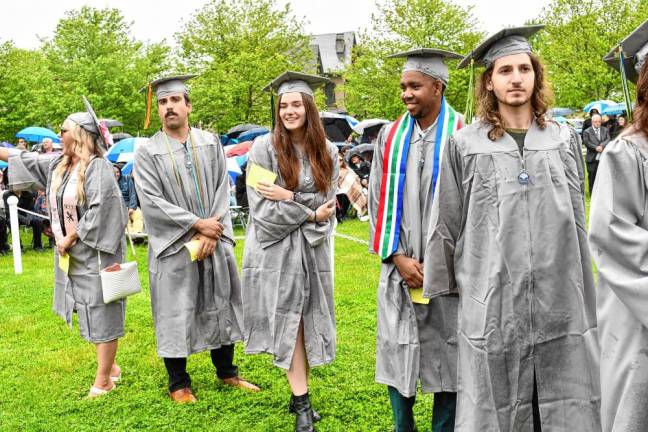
(595, 138)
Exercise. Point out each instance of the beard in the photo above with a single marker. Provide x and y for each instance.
(513, 102)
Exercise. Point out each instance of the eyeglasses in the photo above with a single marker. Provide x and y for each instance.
(63, 130)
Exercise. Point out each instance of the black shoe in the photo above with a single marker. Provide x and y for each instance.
(303, 413)
(291, 407)
(39, 248)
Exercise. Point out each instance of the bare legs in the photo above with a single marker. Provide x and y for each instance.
(106, 366)
(298, 372)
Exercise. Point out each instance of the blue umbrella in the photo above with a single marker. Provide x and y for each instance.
(252, 133)
(36, 134)
(615, 109)
(560, 119)
(128, 168)
(235, 165)
(557, 112)
(124, 150)
(3, 165)
(598, 105)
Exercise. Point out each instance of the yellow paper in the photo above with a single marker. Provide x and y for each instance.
(64, 263)
(416, 295)
(257, 173)
(192, 247)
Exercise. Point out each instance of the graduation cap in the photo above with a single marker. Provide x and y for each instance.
(89, 121)
(510, 41)
(164, 87)
(506, 42)
(291, 81)
(631, 51)
(429, 61)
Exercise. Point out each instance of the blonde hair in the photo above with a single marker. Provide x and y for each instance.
(85, 147)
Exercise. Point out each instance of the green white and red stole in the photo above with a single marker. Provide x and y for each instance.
(390, 206)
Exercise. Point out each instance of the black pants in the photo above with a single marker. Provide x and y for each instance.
(537, 426)
(222, 358)
(4, 247)
(443, 411)
(36, 225)
(592, 167)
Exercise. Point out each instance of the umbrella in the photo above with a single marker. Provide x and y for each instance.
(338, 127)
(249, 135)
(124, 150)
(36, 134)
(359, 149)
(128, 168)
(615, 109)
(560, 119)
(239, 129)
(7, 145)
(3, 165)
(238, 149)
(234, 165)
(111, 123)
(598, 105)
(120, 136)
(369, 123)
(557, 112)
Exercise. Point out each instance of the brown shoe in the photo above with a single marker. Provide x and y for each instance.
(183, 396)
(237, 381)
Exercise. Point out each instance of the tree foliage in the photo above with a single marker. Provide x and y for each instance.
(238, 47)
(578, 34)
(372, 82)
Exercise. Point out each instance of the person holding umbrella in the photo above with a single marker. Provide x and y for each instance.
(288, 304)
(88, 220)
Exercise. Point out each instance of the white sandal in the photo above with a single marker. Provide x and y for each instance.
(116, 379)
(96, 391)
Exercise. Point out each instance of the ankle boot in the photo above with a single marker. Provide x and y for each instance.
(291, 408)
(303, 413)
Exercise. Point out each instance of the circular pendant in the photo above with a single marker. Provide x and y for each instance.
(523, 178)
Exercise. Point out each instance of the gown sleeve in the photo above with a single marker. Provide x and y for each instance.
(273, 220)
(445, 226)
(618, 237)
(29, 170)
(102, 225)
(166, 223)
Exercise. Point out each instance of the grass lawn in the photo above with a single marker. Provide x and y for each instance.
(46, 369)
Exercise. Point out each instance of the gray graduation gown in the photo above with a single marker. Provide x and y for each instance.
(518, 257)
(196, 305)
(102, 221)
(619, 244)
(414, 341)
(287, 274)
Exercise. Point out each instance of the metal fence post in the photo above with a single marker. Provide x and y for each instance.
(15, 233)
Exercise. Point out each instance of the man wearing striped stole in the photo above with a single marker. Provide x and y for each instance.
(416, 338)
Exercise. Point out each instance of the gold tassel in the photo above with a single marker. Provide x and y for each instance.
(149, 99)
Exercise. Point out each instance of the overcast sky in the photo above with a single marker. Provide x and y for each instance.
(23, 21)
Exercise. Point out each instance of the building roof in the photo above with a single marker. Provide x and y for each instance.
(333, 51)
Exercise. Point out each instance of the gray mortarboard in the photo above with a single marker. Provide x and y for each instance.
(291, 81)
(429, 61)
(89, 122)
(635, 49)
(164, 87)
(504, 43)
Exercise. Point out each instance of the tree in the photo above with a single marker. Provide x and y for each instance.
(238, 47)
(372, 81)
(92, 54)
(578, 34)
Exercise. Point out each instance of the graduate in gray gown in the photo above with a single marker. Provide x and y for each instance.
(88, 218)
(416, 338)
(181, 180)
(508, 234)
(619, 244)
(287, 275)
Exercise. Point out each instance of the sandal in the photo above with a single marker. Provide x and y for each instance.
(96, 391)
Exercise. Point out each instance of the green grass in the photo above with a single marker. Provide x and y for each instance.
(46, 369)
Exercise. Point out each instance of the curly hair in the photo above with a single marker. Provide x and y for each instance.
(488, 105)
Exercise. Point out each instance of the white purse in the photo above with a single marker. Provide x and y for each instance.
(121, 283)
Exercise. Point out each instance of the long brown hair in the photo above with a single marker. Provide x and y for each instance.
(640, 114)
(314, 145)
(487, 104)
